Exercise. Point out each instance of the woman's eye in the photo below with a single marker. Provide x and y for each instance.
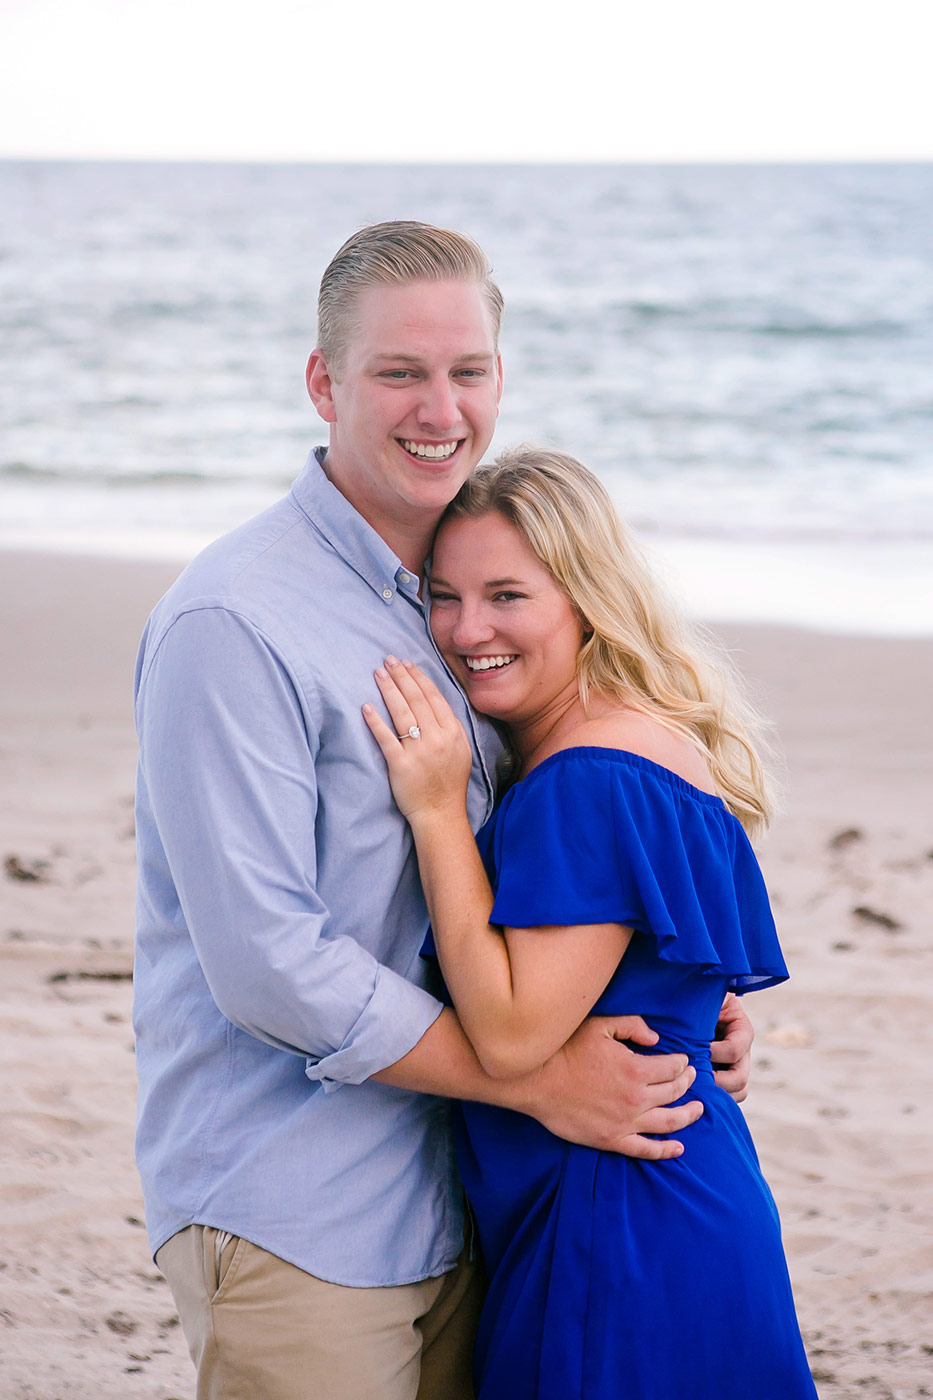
(506, 596)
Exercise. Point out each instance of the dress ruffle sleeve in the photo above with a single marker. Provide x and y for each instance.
(598, 835)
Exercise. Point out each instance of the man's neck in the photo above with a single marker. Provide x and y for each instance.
(412, 545)
(409, 539)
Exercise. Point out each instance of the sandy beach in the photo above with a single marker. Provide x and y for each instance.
(840, 1106)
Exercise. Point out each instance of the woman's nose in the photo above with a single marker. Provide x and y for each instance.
(471, 628)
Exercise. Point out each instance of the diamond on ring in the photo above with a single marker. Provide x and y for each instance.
(413, 733)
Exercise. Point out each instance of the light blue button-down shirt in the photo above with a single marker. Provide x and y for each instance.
(280, 915)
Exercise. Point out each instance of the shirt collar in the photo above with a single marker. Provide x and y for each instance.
(352, 537)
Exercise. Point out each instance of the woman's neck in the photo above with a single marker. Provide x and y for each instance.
(537, 738)
(550, 732)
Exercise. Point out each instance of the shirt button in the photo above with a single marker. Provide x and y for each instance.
(387, 593)
(404, 578)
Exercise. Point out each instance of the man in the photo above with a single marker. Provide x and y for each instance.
(300, 1193)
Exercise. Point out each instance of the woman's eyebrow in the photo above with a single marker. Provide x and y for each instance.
(490, 583)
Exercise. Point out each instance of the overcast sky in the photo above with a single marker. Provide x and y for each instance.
(449, 80)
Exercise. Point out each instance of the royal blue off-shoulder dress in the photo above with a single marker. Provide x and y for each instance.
(613, 1278)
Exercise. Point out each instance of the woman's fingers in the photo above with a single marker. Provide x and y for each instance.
(412, 683)
(418, 692)
(383, 735)
(428, 773)
(404, 701)
(412, 698)
(439, 706)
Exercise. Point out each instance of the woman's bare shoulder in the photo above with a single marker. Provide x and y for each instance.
(642, 734)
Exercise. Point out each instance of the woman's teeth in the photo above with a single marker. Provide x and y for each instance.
(436, 451)
(487, 663)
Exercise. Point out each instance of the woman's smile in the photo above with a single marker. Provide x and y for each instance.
(488, 663)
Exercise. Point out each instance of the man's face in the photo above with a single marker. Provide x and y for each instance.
(415, 404)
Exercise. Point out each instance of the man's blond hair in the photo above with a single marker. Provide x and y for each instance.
(396, 253)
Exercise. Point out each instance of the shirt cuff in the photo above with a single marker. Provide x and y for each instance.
(393, 1021)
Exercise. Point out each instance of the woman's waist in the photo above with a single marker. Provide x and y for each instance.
(676, 1040)
(485, 1123)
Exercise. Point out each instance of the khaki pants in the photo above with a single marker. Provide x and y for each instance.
(260, 1329)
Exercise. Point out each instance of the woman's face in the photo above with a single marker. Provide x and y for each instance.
(505, 628)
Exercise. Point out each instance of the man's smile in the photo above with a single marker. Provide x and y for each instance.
(432, 451)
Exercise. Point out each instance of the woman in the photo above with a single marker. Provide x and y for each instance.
(614, 876)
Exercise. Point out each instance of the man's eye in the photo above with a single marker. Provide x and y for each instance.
(396, 374)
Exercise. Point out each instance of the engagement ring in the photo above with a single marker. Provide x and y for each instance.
(413, 733)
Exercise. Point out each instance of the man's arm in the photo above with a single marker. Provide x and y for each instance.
(594, 1091)
(228, 801)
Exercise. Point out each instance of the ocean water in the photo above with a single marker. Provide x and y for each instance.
(744, 354)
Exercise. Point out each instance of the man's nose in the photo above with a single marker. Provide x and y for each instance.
(438, 407)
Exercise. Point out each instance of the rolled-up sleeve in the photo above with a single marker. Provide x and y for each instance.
(228, 784)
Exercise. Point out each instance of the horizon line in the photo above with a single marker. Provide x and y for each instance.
(504, 161)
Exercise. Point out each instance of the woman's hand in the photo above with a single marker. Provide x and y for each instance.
(428, 754)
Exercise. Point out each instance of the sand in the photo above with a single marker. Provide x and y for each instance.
(840, 1106)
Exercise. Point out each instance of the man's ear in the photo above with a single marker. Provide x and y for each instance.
(321, 386)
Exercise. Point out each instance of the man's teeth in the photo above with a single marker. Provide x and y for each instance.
(487, 663)
(435, 450)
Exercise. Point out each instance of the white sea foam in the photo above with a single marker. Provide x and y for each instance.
(838, 587)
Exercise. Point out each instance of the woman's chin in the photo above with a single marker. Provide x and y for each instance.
(485, 701)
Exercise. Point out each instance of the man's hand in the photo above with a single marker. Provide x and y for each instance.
(597, 1092)
(732, 1048)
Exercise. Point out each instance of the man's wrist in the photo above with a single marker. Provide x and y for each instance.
(525, 1093)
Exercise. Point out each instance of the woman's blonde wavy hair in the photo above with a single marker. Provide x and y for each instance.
(637, 646)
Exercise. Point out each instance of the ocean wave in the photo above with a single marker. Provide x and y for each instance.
(742, 353)
(109, 477)
(718, 317)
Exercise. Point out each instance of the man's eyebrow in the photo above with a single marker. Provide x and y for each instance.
(398, 357)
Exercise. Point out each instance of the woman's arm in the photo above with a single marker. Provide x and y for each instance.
(520, 993)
